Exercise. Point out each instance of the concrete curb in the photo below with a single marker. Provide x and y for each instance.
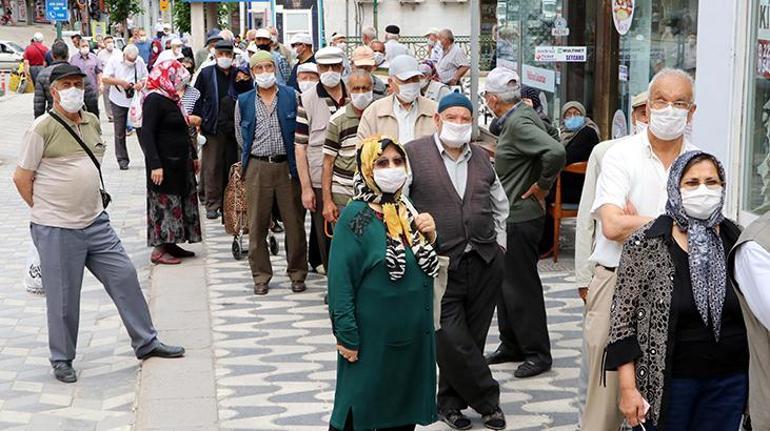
(180, 393)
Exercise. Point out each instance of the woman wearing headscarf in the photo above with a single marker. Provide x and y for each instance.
(382, 266)
(677, 337)
(171, 160)
(579, 134)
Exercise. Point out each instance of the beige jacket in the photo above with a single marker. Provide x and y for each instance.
(379, 119)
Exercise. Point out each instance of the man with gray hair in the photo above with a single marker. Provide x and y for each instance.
(125, 75)
(454, 63)
(368, 35)
(630, 191)
(527, 161)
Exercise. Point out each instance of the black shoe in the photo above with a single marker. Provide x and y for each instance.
(326, 299)
(164, 351)
(530, 369)
(502, 356)
(123, 166)
(212, 214)
(277, 227)
(64, 372)
(298, 286)
(455, 419)
(261, 289)
(176, 251)
(495, 420)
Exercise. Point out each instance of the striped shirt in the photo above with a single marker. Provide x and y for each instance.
(341, 143)
(302, 133)
(189, 98)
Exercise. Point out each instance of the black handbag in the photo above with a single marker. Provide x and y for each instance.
(106, 198)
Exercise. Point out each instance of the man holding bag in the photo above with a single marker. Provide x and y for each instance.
(457, 184)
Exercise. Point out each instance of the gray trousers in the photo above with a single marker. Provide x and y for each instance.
(106, 101)
(120, 117)
(64, 253)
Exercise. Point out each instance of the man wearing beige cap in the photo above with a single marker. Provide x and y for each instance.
(302, 49)
(404, 115)
(363, 58)
(639, 113)
(313, 113)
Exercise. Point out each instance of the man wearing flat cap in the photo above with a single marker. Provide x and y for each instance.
(265, 120)
(58, 175)
(316, 106)
(393, 48)
(302, 49)
(215, 107)
(457, 184)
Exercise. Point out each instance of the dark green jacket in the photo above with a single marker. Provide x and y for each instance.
(527, 154)
(393, 383)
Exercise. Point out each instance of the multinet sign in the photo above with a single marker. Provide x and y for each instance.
(553, 54)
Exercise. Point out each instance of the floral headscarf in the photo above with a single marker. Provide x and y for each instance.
(166, 77)
(399, 220)
(708, 274)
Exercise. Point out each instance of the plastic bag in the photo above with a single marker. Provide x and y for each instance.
(135, 110)
(33, 277)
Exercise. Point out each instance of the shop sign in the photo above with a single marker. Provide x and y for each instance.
(538, 77)
(552, 54)
(98, 28)
(619, 125)
(560, 27)
(623, 73)
(763, 29)
(57, 10)
(622, 15)
(763, 59)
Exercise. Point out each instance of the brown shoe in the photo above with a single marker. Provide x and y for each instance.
(298, 286)
(261, 289)
(164, 259)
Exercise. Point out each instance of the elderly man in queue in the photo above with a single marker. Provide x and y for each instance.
(266, 121)
(302, 48)
(527, 160)
(215, 83)
(263, 40)
(59, 177)
(379, 53)
(363, 58)
(453, 64)
(315, 109)
(457, 183)
(307, 76)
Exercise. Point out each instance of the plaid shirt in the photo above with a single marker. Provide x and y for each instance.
(267, 133)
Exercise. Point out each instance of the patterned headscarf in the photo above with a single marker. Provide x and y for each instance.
(706, 251)
(166, 77)
(399, 221)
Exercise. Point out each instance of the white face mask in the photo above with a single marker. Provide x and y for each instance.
(379, 58)
(71, 99)
(84, 52)
(424, 83)
(342, 45)
(294, 52)
(701, 202)
(177, 50)
(265, 80)
(361, 100)
(640, 127)
(668, 123)
(331, 79)
(390, 180)
(408, 92)
(212, 51)
(455, 135)
(305, 85)
(224, 62)
(110, 46)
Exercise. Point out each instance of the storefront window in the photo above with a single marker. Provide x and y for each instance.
(756, 170)
(663, 34)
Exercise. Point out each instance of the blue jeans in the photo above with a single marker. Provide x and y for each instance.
(710, 404)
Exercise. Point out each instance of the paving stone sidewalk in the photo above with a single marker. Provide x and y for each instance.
(30, 397)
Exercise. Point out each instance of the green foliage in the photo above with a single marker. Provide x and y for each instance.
(182, 16)
(122, 9)
(224, 13)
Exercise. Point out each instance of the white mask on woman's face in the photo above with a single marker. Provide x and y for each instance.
(701, 202)
(455, 135)
(390, 180)
(668, 123)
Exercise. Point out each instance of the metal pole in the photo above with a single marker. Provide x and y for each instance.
(347, 19)
(58, 29)
(475, 67)
(374, 17)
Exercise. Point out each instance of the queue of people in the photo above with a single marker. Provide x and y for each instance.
(404, 207)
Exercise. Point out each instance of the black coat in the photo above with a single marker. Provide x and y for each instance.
(166, 144)
(578, 150)
(43, 101)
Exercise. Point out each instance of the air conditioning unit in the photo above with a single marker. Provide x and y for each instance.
(454, 1)
(364, 1)
(411, 1)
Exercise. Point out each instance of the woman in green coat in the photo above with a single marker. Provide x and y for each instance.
(381, 271)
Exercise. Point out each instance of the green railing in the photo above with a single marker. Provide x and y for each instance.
(417, 45)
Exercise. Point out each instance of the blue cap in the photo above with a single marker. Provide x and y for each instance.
(455, 99)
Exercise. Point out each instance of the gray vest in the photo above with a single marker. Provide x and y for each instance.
(460, 221)
(759, 336)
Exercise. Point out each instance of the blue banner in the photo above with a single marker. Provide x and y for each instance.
(57, 10)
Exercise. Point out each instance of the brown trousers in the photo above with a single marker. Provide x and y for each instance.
(216, 159)
(601, 412)
(267, 183)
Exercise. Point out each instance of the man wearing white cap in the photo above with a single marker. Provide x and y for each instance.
(435, 51)
(263, 41)
(527, 161)
(34, 56)
(302, 49)
(404, 115)
(313, 113)
(307, 76)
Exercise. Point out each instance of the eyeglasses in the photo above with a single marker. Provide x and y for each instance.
(663, 104)
(712, 184)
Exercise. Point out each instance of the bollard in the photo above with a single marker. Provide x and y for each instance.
(3, 84)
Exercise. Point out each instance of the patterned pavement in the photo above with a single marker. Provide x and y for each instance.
(30, 397)
(276, 362)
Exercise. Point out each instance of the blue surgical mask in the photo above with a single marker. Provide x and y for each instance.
(574, 123)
